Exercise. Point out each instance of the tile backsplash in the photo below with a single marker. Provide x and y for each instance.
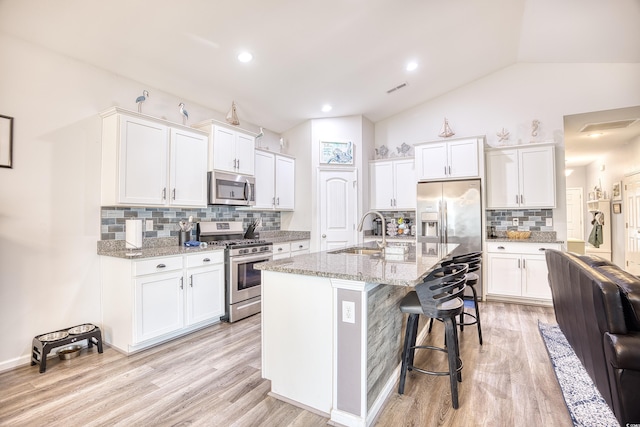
(528, 219)
(165, 220)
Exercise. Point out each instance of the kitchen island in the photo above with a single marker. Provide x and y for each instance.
(332, 329)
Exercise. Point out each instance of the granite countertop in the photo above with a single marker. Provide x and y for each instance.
(167, 246)
(407, 270)
(529, 240)
(536, 237)
(162, 246)
(282, 236)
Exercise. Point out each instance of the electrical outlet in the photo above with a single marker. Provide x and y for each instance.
(148, 225)
(348, 311)
(515, 221)
(549, 222)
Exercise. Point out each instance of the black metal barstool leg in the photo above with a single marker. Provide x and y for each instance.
(414, 337)
(406, 351)
(462, 319)
(449, 326)
(457, 344)
(475, 302)
(430, 324)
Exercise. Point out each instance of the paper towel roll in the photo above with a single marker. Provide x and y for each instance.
(133, 233)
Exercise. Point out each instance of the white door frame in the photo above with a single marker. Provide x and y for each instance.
(579, 190)
(354, 176)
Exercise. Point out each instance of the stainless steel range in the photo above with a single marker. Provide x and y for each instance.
(243, 282)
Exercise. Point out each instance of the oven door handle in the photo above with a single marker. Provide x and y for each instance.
(244, 258)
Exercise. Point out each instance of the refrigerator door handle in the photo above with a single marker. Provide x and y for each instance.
(445, 224)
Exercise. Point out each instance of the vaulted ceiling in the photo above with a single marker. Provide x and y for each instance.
(347, 53)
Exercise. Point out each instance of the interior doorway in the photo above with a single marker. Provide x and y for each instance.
(631, 209)
(338, 208)
(575, 214)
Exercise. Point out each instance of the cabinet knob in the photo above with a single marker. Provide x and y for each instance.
(501, 247)
(279, 249)
(542, 249)
(300, 246)
(324, 236)
(206, 260)
(160, 266)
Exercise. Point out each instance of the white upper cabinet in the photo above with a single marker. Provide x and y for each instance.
(188, 166)
(275, 177)
(230, 150)
(393, 184)
(447, 159)
(150, 162)
(521, 178)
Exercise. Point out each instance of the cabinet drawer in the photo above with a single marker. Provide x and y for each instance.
(299, 245)
(521, 248)
(205, 258)
(281, 248)
(157, 265)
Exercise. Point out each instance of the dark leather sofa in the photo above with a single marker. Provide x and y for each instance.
(597, 306)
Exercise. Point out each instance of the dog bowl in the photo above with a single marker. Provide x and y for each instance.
(81, 329)
(69, 352)
(54, 336)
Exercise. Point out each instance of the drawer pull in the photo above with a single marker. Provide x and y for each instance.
(206, 260)
(279, 249)
(300, 246)
(160, 266)
(542, 249)
(501, 247)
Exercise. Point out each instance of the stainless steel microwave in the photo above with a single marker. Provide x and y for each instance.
(231, 189)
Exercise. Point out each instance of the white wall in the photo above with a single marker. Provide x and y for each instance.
(512, 98)
(50, 200)
(305, 145)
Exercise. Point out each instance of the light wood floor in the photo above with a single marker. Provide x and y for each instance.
(212, 378)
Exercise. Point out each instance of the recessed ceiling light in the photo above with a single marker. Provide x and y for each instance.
(412, 66)
(245, 57)
(595, 135)
(326, 108)
(568, 172)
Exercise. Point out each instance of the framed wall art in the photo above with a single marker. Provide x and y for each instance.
(336, 153)
(616, 191)
(617, 208)
(6, 142)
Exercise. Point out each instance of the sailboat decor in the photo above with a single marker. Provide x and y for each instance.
(446, 130)
(232, 116)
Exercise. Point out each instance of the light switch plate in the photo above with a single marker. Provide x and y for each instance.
(549, 222)
(515, 221)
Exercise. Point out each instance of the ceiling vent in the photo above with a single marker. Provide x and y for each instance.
(400, 86)
(598, 127)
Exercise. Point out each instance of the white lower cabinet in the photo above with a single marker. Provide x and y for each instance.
(518, 270)
(149, 301)
(290, 249)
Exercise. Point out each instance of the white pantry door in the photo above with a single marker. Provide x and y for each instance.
(631, 209)
(575, 214)
(338, 202)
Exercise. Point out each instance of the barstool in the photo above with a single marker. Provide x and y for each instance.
(474, 261)
(439, 297)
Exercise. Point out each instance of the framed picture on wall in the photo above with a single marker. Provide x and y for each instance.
(6, 142)
(336, 153)
(616, 191)
(617, 208)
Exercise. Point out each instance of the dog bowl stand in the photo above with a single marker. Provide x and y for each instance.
(42, 348)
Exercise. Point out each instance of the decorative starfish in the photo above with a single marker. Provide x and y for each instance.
(503, 135)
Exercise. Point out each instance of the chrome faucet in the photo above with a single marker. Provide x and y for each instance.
(382, 244)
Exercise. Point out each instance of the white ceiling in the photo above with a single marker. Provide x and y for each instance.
(344, 52)
(582, 149)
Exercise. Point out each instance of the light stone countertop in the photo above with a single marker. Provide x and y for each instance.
(408, 270)
(159, 251)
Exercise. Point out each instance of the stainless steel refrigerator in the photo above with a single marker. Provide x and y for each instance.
(450, 212)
